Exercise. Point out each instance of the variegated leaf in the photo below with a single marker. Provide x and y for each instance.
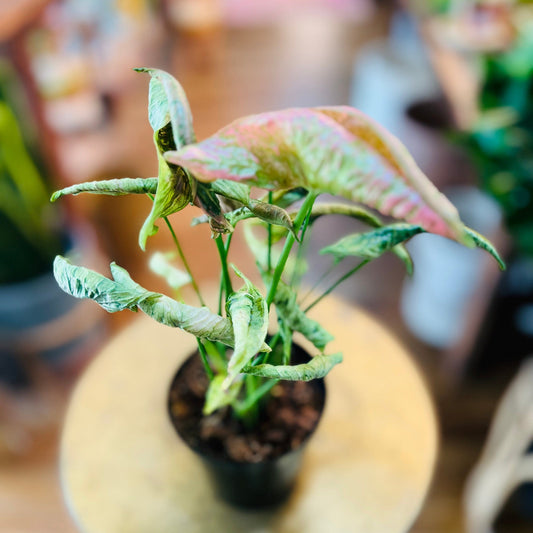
(296, 319)
(218, 395)
(249, 315)
(167, 102)
(484, 244)
(113, 187)
(161, 265)
(372, 244)
(271, 214)
(318, 367)
(233, 190)
(337, 150)
(207, 200)
(123, 293)
(175, 189)
(364, 215)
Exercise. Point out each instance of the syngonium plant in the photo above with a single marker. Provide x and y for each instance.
(266, 171)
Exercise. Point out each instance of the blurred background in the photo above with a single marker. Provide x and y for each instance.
(451, 78)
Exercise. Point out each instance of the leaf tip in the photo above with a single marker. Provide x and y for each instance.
(55, 196)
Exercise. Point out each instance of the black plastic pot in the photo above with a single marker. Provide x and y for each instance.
(254, 485)
(261, 484)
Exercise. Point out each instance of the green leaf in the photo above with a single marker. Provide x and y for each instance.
(249, 315)
(170, 117)
(286, 198)
(364, 215)
(122, 292)
(160, 264)
(207, 200)
(167, 102)
(240, 192)
(271, 214)
(485, 244)
(233, 190)
(318, 367)
(113, 187)
(218, 395)
(175, 190)
(372, 244)
(335, 150)
(353, 211)
(296, 319)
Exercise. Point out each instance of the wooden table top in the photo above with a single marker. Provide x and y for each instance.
(367, 468)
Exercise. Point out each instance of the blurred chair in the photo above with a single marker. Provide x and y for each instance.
(505, 463)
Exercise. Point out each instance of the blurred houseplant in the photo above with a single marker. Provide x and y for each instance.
(29, 234)
(494, 40)
(289, 157)
(31, 307)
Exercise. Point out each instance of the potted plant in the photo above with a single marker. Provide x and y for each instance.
(263, 172)
(30, 237)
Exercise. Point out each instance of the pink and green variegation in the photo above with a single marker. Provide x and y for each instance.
(336, 150)
(296, 154)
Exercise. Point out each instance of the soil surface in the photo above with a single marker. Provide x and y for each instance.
(288, 417)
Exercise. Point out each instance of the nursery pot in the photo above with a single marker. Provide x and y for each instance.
(249, 482)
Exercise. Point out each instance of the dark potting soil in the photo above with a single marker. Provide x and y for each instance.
(286, 420)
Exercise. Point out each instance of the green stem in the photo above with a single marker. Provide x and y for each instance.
(184, 260)
(182, 255)
(306, 207)
(317, 283)
(226, 281)
(203, 357)
(269, 229)
(337, 283)
(228, 242)
(243, 407)
(296, 278)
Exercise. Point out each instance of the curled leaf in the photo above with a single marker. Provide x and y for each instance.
(372, 244)
(167, 102)
(337, 150)
(286, 198)
(113, 187)
(218, 395)
(295, 318)
(207, 200)
(271, 214)
(249, 315)
(175, 189)
(485, 244)
(122, 292)
(160, 264)
(353, 211)
(364, 215)
(233, 190)
(318, 367)
(170, 117)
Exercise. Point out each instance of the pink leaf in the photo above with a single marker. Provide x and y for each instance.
(336, 150)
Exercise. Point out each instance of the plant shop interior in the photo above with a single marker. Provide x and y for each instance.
(371, 106)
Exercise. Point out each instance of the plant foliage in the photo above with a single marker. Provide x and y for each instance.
(296, 155)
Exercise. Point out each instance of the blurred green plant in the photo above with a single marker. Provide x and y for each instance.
(501, 141)
(28, 229)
